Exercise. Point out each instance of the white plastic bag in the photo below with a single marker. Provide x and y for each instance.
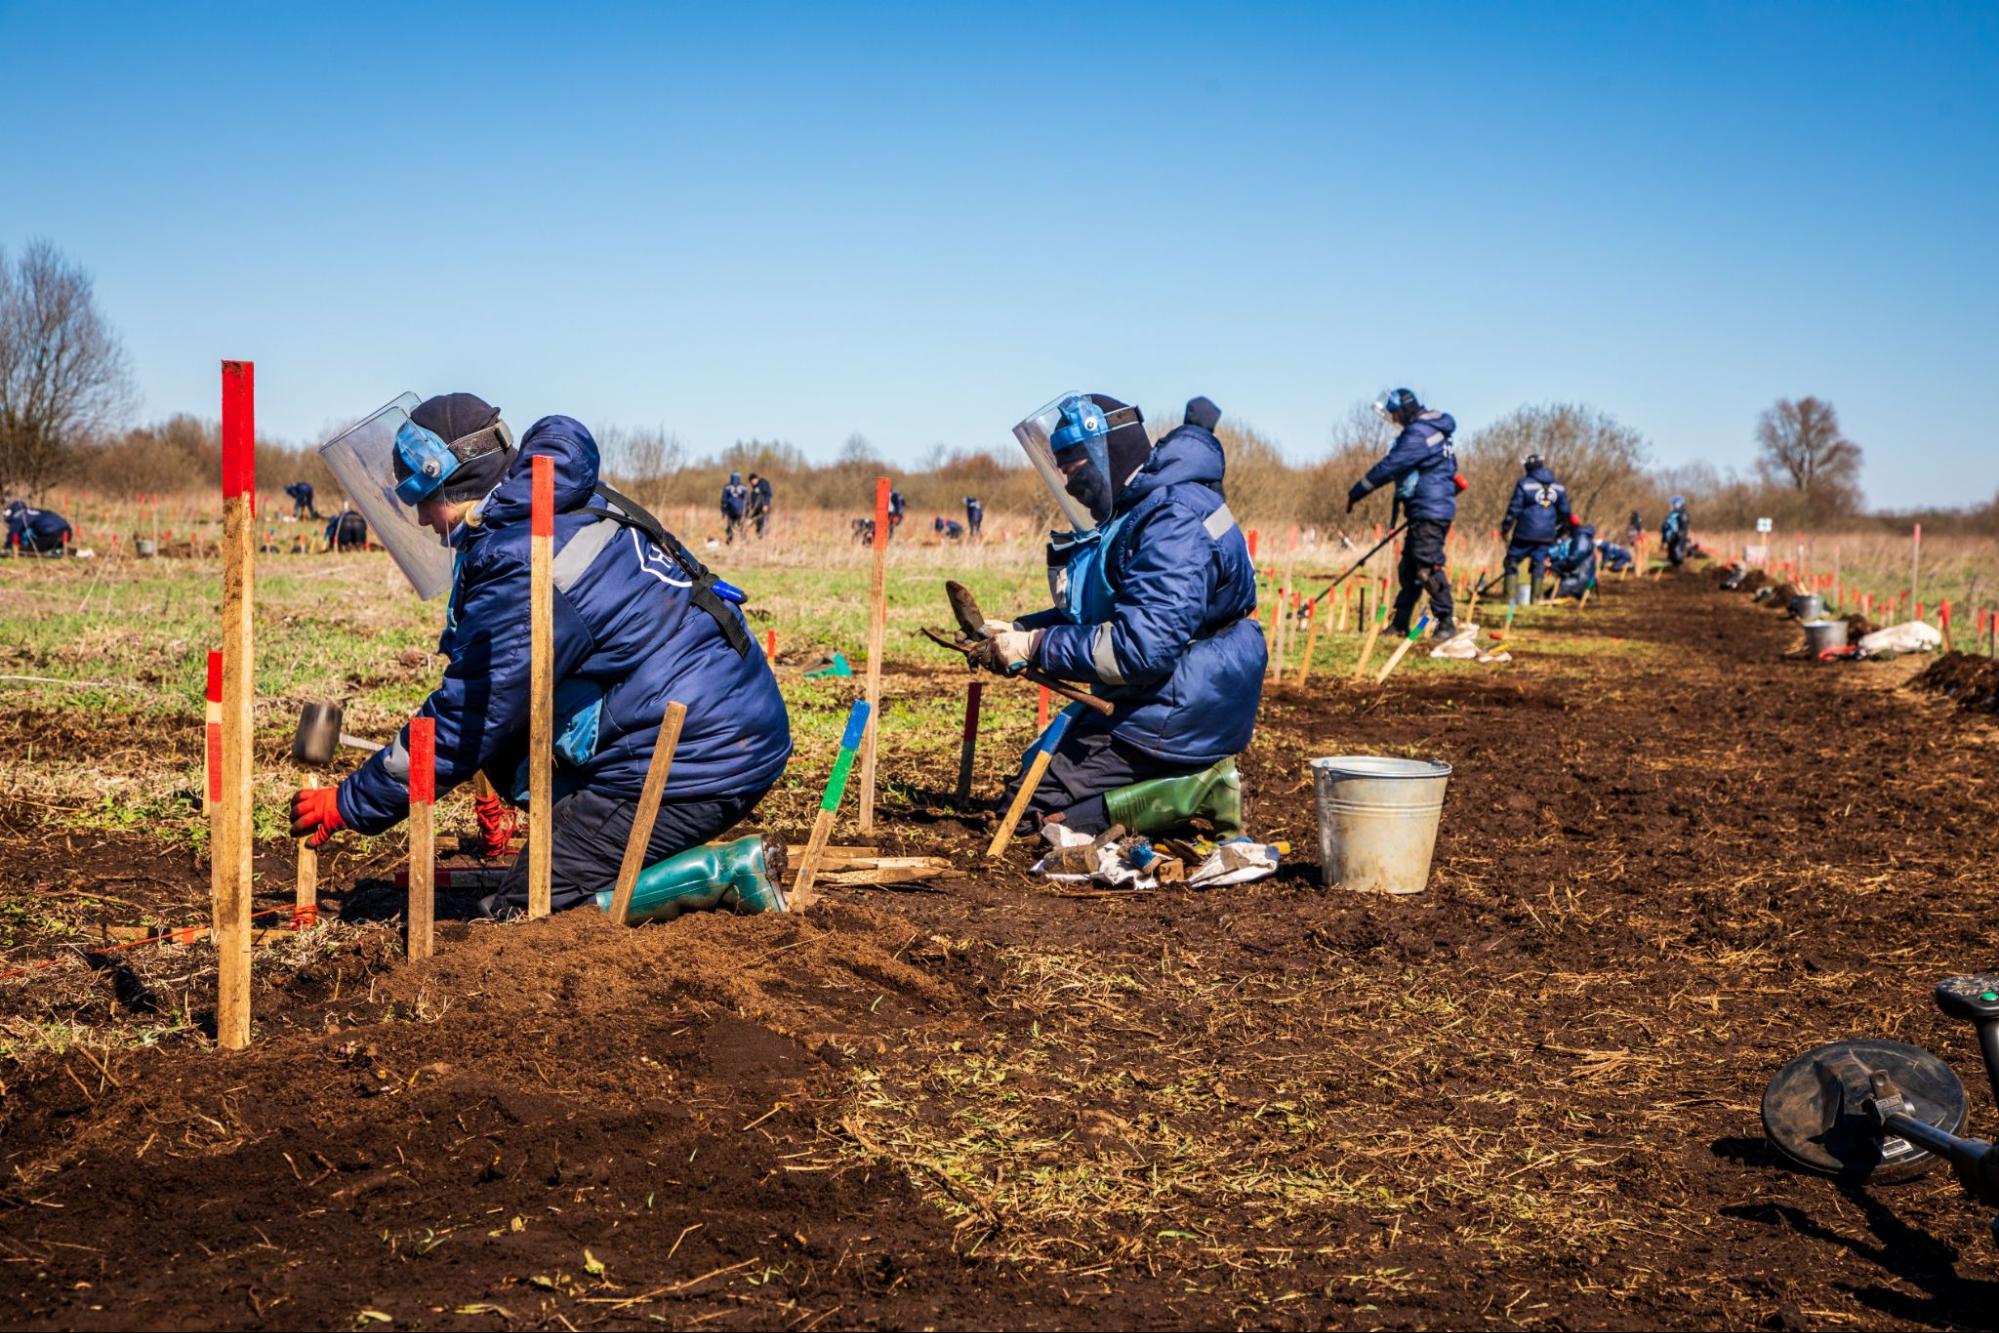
(1463, 645)
(1910, 637)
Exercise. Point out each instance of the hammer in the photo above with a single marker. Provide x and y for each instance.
(319, 735)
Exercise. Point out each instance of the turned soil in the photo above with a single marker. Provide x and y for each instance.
(1527, 1096)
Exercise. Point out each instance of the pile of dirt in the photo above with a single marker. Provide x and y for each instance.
(1859, 627)
(1780, 597)
(1971, 680)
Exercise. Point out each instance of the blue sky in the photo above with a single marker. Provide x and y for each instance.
(920, 223)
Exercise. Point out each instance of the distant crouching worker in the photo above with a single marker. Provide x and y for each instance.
(301, 498)
(346, 531)
(33, 531)
(1574, 559)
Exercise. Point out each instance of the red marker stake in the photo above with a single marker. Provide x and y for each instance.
(541, 687)
(211, 790)
(417, 919)
(232, 842)
(1041, 711)
(968, 748)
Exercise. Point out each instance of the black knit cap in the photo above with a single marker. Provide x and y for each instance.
(452, 416)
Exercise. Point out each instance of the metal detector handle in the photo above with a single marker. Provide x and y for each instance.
(1975, 1161)
(1975, 999)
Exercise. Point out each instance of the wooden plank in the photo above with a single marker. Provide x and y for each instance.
(418, 918)
(234, 837)
(657, 769)
(877, 637)
(541, 687)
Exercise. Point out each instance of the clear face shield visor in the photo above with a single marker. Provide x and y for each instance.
(1068, 442)
(363, 458)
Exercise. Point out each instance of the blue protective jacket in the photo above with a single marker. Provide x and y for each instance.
(30, 530)
(1177, 651)
(735, 500)
(628, 639)
(1422, 465)
(300, 492)
(1575, 553)
(1539, 509)
(1675, 526)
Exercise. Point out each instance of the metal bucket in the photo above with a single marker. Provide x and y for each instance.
(146, 547)
(1809, 606)
(1524, 595)
(1378, 821)
(1824, 636)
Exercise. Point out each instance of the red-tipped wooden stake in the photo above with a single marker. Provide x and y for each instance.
(233, 844)
(877, 641)
(418, 918)
(541, 686)
(968, 748)
(211, 787)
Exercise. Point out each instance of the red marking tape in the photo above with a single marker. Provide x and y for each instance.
(215, 678)
(542, 523)
(239, 431)
(881, 512)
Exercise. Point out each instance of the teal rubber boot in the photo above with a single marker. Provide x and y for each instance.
(733, 876)
(1159, 804)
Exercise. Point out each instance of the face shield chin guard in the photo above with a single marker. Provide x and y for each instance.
(362, 459)
(1068, 442)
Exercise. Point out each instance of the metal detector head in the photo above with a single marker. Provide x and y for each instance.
(1820, 1110)
(318, 734)
(965, 608)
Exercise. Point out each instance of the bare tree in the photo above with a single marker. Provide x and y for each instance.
(1804, 448)
(63, 373)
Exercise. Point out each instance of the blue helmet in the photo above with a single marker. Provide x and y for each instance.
(1679, 502)
(1399, 407)
(735, 478)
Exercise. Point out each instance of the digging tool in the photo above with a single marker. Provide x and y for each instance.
(1402, 648)
(802, 896)
(657, 769)
(1354, 568)
(1040, 678)
(1872, 1110)
(1044, 751)
(968, 747)
(318, 735)
(972, 631)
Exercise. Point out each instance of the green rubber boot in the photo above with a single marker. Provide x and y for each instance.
(1159, 804)
(1512, 584)
(728, 875)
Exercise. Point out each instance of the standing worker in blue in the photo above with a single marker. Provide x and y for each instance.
(896, 506)
(639, 623)
(1153, 596)
(1536, 516)
(1674, 532)
(975, 518)
(1422, 465)
(760, 500)
(735, 506)
(300, 493)
(33, 531)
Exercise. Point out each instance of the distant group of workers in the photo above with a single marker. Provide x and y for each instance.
(745, 505)
(1541, 529)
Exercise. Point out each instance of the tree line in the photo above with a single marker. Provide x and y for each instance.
(66, 392)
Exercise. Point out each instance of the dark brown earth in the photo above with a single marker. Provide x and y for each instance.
(1526, 1097)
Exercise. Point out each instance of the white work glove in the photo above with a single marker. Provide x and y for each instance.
(990, 628)
(1008, 651)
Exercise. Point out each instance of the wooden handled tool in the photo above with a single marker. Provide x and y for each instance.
(1033, 674)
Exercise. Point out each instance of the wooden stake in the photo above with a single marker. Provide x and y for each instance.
(1311, 641)
(541, 688)
(1402, 648)
(1041, 710)
(1367, 644)
(233, 835)
(877, 637)
(969, 747)
(419, 932)
(1044, 752)
(305, 903)
(647, 814)
(802, 895)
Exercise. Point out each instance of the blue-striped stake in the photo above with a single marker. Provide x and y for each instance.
(836, 787)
